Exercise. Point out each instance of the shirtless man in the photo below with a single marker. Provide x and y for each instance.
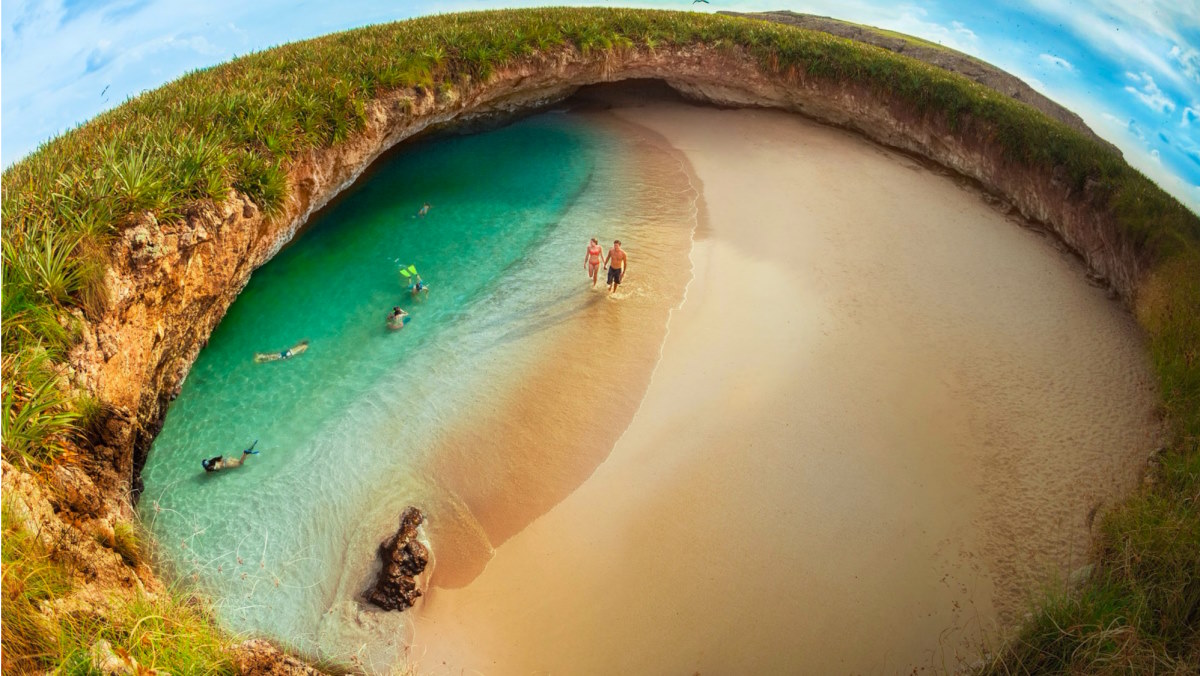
(616, 270)
(591, 260)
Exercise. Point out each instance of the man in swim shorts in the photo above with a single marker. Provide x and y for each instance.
(616, 261)
(591, 260)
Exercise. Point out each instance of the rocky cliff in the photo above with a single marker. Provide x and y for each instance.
(171, 283)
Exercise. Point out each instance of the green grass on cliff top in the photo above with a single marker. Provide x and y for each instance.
(240, 125)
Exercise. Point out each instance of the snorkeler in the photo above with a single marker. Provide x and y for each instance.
(221, 462)
(290, 352)
(424, 210)
(416, 284)
(419, 286)
(397, 319)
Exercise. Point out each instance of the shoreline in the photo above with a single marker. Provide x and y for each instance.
(680, 485)
(505, 465)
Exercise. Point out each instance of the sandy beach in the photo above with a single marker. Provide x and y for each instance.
(883, 415)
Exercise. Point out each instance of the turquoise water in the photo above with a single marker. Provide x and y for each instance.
(284, 542)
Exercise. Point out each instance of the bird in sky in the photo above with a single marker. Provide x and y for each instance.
(695, 1)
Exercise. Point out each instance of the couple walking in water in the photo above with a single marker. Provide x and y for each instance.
(616, 261)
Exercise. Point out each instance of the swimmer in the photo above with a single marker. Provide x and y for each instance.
(591, 260)
(424, 210)
(396, 320)
(419, 286)
(221, 462)
(616, 272)
(298, 348)
(416, 284)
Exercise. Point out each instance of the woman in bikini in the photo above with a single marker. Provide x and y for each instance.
(591, 261)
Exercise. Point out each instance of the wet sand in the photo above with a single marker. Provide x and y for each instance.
(560, 409)
(541, 418)
(883, 415)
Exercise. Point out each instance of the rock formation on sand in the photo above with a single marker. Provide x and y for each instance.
(404, 558)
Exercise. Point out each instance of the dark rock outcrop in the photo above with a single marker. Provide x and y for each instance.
(404, 558)
(259, 657)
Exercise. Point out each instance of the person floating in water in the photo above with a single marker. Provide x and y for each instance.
(419, 287)
(221, 462)
(416, 284)
(619, 261)
(292, 351)
(424, 210)
(397, 318)
(591, 260)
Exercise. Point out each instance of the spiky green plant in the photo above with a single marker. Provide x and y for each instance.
(37, 414)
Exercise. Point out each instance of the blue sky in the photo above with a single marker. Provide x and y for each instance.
(1130, 68)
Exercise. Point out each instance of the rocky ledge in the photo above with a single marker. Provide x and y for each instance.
(171, 283)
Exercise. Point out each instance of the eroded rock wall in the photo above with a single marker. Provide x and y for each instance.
(170, 284)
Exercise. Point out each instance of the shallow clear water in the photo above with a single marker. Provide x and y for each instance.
(340, 426)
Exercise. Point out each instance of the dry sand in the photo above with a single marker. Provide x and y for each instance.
(882, 416)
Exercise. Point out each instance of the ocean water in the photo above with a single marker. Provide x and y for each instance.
(283, 543)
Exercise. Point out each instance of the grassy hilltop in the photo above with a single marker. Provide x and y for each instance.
(242, 124)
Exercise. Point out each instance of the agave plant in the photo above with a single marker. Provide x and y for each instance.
(37, 417)
(199, 167)
(43, 263)
(138, 175)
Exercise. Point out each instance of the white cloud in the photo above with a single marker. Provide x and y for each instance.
(1189, 61)
(1129, 137)
(1058, 62)
(1148, 92)
(1128, 31)
(64, 62)
(913, 22)
(243, 35)
(1037, 84)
